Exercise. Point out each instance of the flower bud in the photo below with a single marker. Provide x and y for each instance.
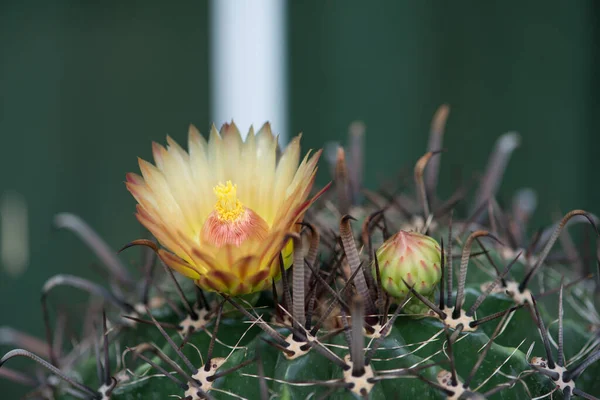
(411, 257)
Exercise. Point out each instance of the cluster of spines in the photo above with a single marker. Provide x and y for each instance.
(363, 305)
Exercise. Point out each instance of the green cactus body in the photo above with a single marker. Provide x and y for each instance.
(410, 343)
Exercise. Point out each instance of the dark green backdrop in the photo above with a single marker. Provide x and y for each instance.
(84, 89)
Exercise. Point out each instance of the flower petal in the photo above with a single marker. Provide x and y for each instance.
(286, 169)
(178, 264)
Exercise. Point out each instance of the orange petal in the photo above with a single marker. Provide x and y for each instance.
(164, 235)
(245, 265)
(203, 258)
(178, 264)
(157, 153)
(205, 282)
(220, 281)
(259, 278)
(134, 178)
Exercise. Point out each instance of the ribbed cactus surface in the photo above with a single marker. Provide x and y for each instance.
(349, 294)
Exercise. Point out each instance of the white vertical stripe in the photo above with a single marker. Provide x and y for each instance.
(248, 64)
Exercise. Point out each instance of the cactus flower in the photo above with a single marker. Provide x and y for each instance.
(411, 257)
(222, 210)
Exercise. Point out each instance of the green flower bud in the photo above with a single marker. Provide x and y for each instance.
(410, 256)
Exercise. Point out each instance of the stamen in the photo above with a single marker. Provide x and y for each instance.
(231, 222)
(228, 207)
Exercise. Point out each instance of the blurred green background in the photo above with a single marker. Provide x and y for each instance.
(85, 88)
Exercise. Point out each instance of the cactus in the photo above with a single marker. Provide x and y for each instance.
(276, 293)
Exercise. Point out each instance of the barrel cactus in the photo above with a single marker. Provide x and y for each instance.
(257, 285)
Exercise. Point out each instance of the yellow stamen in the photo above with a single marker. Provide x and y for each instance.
(228, 207)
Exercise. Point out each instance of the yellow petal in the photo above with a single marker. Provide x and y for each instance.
(231, 144)
(266, 146)
(216, 157)
(200, 171)
(286, 169)
(178, 264)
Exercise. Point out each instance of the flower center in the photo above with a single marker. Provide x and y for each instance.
(228, 207)
(231, 223)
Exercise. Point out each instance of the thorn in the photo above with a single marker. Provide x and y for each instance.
(491, 260)
(384, 332)
(148, 271)
(505, 385)
(179, 291)
(435, 385)
(436, 137)
(449, 261)
(337, 299)
(187, 362)
(140, 242)
(451, 339)
(425, 301)
(264, 390)
(542, 328)
(581, 393)
(567, 393)
(356, 347)
(107, 374)
(475, 215)
(298, 310)
(313, 249)
(213, 338)
(486, 349)
(443, 278)
(287, 296)
(561, 352)
(49, 367)
(18, 377)
(348, 217)
(576, 371)
(566, 287)
(311, 302)
(464, 262)
(161, 370)
(552, 240)
(187, 337)
(494, 316)
(378, 286)
(491, 287)
(112, 263)
(367, 226)
(342, 182)
(228, 371)
(85, 285)
(165, 325)
(79, 283)
(14, 337)
(420, 184)
(99, 367)
(555, 376)
(266, 328)
(279, 347)
(353, 258)
(497, 164)
(201, 299)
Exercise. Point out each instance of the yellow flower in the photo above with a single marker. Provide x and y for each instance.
(222, 211)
